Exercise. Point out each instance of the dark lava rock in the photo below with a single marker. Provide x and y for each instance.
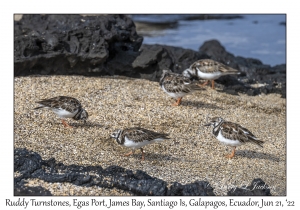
(199, 188)
(252, 92)
(217, 52)
(155, 58)
(139, 183)
(257, 188)
(21, 190)
(73, 44)
(26, 162)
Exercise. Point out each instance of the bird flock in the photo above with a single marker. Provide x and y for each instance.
(176, 86)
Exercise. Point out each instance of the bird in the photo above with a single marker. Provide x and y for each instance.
(136, 138)
(64, 107)
(177, 85)
(208, 69)
(232, 134)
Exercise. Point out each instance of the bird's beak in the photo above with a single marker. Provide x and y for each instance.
(208, 124)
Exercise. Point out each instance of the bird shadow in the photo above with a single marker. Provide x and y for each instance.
(86, 125)
(257, 155)
(199, 104)
(159, 156)
(154, 157)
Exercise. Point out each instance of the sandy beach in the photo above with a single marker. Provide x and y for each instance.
(192, 152)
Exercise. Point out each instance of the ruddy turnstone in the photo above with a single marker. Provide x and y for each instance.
(209, 70)
(232, 134)
(137, 138)
(64, 107)
(177, 85)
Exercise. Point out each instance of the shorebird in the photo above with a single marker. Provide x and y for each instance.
(64, 107)
(209, 70)
(136, 138)
(177, 85)
(232, 134)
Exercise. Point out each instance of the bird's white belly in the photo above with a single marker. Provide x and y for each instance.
(63, 113)
(174, 95)
(209, 76)
(228, 142)
(136, 145)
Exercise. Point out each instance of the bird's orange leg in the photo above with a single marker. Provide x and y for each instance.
(232, 153)
(129, 153)
(205, 83)
(177, 103)
(143, 154)
(213, 84)
(66, 124)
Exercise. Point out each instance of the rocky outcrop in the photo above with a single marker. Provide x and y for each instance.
(154, 58)
(73, 44)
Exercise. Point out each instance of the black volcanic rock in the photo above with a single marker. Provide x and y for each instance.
(139, 183)
(217, 52)
(199, 188)
(21, 190)
(72, 44)
(257, 188)
(155, 58)
(26, 162)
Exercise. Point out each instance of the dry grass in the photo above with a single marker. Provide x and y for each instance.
(191, 154)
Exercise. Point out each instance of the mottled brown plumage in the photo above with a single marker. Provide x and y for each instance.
(61, 102)
(64, 107)
(232, 130)
(177, 85)
(211, 66)
(232, 134)
(137, 138)
(209, 70)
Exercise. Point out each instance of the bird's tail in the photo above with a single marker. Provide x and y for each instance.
(197, 87)
(39, 107)
(258, 142)
(163, 136)
(232, 71)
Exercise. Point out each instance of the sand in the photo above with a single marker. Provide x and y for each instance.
(191, 154)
